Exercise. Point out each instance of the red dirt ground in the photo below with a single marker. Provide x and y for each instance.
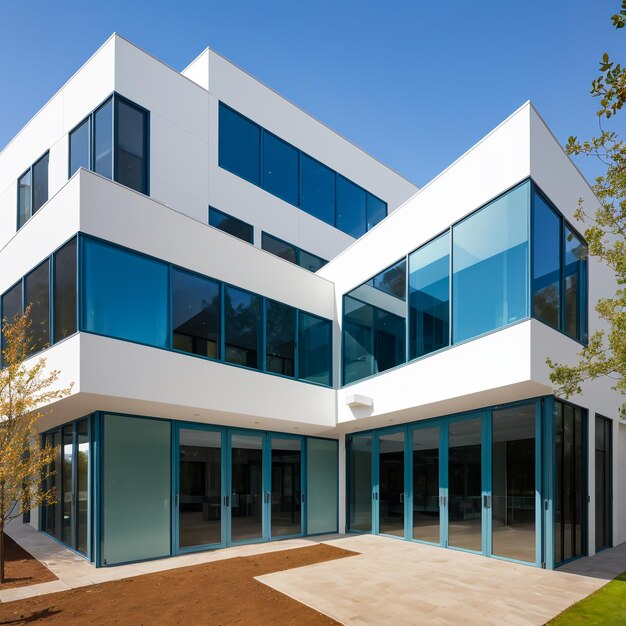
(21, 568)
(222, 592)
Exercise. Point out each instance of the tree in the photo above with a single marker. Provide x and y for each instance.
(24, 389)
(605, 354)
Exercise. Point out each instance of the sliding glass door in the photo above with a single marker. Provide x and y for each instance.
(286, 491)
(603, 482)
(426, 475)
(391, 484)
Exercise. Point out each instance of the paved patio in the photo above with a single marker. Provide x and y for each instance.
(389, 581)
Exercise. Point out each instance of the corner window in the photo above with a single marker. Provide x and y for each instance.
(376, 210)
(32, 190)
(113, 142)
(231, 225)
(315, 340)
(351, 208)
(64, 291)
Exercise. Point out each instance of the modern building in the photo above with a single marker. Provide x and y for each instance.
(271, 334)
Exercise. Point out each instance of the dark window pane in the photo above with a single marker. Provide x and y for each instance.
(279, 248)
(131, 156)
(79, 147)
(426, 512)
(360, 483)
(490, 266)
(82, 476)
(350, 208)
(280, 338)
(317, 190)
(358, 340)
(280, 168)
(230, 225)
(546, 263)
(125, 295)
(575, 290)
(243, 327)
(314, 349)
(40, 183)
(37, 285)
(23, 199)
(196, 314)
(103, 140)
(239, 145)
(311, 262)
(64, 302)
(376, 210)
(12, 303)
(65, 497)
(392, 280)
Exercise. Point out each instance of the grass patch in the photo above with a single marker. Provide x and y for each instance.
(605, 606)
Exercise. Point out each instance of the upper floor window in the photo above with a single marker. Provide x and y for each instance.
(231, 225)
(292, 253)
(260, 157)
(113, 142)
(32, 190)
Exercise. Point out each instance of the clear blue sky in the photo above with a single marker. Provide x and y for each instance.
(415, 83)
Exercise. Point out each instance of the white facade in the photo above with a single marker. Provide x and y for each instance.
(171, 224)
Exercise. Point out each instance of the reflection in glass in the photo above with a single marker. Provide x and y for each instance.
(391, 484)
(429, 297)
(603, 511)
(66, 485)
(311, 262)
(52, 512)
(239, 145)
(376, 210)
(360, 483)
(513, 483)
(23, 199)
(280, 168)
(426, 484)
(82, 487)
(79, 147)
(465, 485)
(40, 182)
(279, 248)
(246, 500)
(103, 140)
(243, 332)
(131, 162)
(37, 285)
(546, 263)
(64, 291)
(280, 338)
(317, 190)
(200, 488)
(230, 225)
(351, 208)
(322, 489)
(314, 349)
(490, 266)
(195, 314)
(286, 490)
(575, 288)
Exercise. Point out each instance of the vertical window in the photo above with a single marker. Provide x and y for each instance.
(575, 288)
(242, 327)
(429, 297)
(131, 162)
(12, 303)
(239, 145)
(103, 140)
(66, 495)
(231, 225)
(317, 190)
(351, 208)
(315, 349)
(82, 482)
(322, 485)
(280, 338)
(196, 314)
(376, 210)
(37, 296)
(360, 483)
(280, 168)
(603, 483)
(40, 183)
(546, 263)
(64, 291)
(279, 248)
(125, 295)
(23, 198)
(490, 266)
(80, 147)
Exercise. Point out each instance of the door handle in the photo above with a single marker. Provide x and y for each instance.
(487, 501)
(442, 501)
(267, 497)
(226, 501)
(401, 498)
(302, 498)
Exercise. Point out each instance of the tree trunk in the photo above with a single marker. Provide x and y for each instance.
(1, 553)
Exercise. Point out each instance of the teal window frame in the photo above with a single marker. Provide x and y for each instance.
(31, 192)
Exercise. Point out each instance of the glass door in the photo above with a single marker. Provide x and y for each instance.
(199, 496)
(360, 491)
(286, 487)
(391, 487)
(603, 483)
(427, 501)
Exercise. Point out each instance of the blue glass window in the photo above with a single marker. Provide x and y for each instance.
(239, 145)
(195, 314)
(103, 140)
(317, 190)
(280, 168)
(575, 286)
(315, 349)
(23, 198)
(280, 338)
(243, 331)
(279, 248)
(131, 159)
(64, 291)
(351, 208)
(429, 297)
(231, 225)
(311, 262)
(376, 210)
(546, 263)
(12, 303)
(37, 296)
(79, 147)
(490, 266)
(125, 295)
(40, 183)
(374, 324)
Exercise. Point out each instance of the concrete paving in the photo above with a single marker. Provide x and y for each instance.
(399, 582)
